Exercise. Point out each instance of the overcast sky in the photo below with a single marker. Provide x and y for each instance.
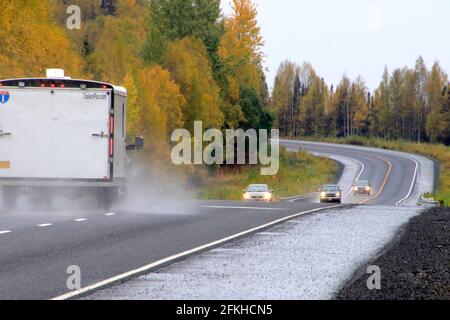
(354, 36)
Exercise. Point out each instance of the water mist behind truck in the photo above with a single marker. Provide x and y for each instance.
(59, 134)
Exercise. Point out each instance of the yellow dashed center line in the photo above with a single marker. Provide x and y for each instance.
(386, 178)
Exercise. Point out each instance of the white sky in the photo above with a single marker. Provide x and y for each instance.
(355, 37)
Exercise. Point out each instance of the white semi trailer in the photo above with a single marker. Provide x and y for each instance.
(59, 134)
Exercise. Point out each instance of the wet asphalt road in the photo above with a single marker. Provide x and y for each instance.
(36, 248)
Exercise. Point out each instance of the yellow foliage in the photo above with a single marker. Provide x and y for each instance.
(360, 105)
(242, 33)
(31, 41)
(133, 110)
(117, 45)
(241, 44)
(160, 107)
(188, 62)
(233, 86)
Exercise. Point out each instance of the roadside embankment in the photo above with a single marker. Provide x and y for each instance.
(415, 267)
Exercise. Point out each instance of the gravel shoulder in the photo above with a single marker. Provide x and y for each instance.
(416, 267)
(307, 258)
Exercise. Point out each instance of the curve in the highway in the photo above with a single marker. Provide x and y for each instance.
(394, 176)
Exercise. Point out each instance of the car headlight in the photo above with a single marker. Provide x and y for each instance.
(323, 194)
(246, 196)
(338, 194)
(367, 188)
(268, 196)
(355, 189)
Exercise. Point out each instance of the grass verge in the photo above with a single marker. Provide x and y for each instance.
(300, 173)
(436, 151)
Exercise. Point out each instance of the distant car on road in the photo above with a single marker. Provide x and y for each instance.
(362, 187)
(330, 193)
(258, 192)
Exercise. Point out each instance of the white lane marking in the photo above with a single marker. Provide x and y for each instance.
(184, 254)
(242, 208)
(110, 214)
(44, 225)
(363, 167)
(5, 231)
(413, 184)
(80, 220)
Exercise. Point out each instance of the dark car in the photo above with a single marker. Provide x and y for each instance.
(330, 193)
(362, 188)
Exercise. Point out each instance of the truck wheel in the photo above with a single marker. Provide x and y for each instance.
(10, 198)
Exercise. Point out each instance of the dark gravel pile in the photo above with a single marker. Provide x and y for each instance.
(415, 267)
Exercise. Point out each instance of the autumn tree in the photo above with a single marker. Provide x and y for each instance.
(32, 41)
(359, 107)
(188, 62)
(395, 86)
(436, 85)
(421, 96)
(240, 48)
(111, 60)
(444, 124)
(374, 110)
(338, 108)
(313, 109)
(133, 116)
(384, 106)
(286, 98)
(161, 104)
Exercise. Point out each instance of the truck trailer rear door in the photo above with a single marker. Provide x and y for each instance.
(55, 133)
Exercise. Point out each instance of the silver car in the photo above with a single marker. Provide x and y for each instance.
(330, 193)
(258, 192)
